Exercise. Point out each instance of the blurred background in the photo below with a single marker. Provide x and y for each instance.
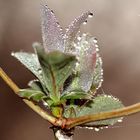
(116, 24)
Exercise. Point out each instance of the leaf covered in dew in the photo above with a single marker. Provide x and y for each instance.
(73, 29)
(87, 61)
(101, 103)
(51, 31)
(57, 67)
(69, 69)
(85, 67)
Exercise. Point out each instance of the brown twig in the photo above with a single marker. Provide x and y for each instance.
(72, 122)
(125, 111)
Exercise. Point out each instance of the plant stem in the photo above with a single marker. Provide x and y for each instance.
(125, 111)
(71, 122)
(9, 82)
(34, 107)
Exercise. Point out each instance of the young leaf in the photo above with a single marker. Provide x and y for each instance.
(73, 28)
(32, 94)
(86, 53)
(57, 67)
(51, 31)
(87, 62)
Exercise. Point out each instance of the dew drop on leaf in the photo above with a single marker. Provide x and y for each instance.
(90, 15)
(45, 104)
(84, 23)
(95, 40)
(96, 129)
(40, 71)
(106, 127)
(120, 120)
(12, 54)
(101, 128)
(97, 49)
(79, 38)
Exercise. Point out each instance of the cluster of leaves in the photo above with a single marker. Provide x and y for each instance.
(68, 71)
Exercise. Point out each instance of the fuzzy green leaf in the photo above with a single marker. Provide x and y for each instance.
(32, 94)
(56, 67)
(100, 104)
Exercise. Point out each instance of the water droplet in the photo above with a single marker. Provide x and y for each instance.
(79, 38)
(90, 15)
(45, 104)
(97, 49)
(120, 120)
(33, 55)
(96, 129)
(90, 128)
(77, 64)
(84, 34)
(74, 45)
(96, 46)
(78, 43)
(106, 127)
(65, 37)
(52, 11)
(102, 80)
(95, 40)
(40, 71)
(13, 54)
(109, 96)
(85, 22)
(101, 127)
